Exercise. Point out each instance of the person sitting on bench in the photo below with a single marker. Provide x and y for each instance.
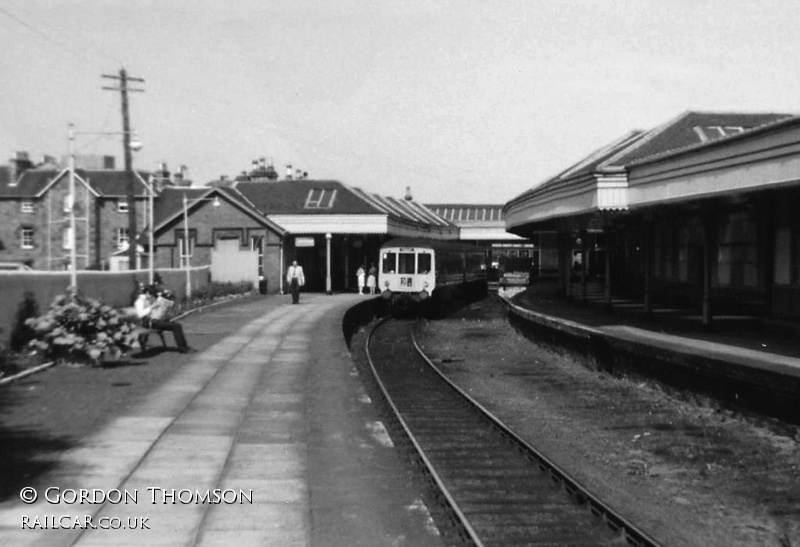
(152, 309)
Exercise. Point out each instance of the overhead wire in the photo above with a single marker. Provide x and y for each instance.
(47, 33)
(61, 46)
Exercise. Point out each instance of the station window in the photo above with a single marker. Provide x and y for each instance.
(184, 257)
(26, 207)
(406, 263)
(257, 244)
(389, 261)
(424, 263)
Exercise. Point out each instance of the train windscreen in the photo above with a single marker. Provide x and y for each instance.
(424, 263)
(406, 263)
(389, 262)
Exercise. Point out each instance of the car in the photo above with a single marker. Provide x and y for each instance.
(14, 267)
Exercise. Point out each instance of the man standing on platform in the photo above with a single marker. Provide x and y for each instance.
(295, 279)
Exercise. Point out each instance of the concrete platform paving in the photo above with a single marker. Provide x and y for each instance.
(749, 347)
(271, 421)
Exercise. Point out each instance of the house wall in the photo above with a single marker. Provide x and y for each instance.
(98, 219)
(11, 222)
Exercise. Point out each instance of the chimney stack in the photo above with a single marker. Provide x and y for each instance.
(19, 164)
(408, 194)
(271, 173)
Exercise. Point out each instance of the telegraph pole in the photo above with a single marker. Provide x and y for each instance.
(126, 143)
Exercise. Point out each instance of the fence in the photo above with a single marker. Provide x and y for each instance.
(116, 289)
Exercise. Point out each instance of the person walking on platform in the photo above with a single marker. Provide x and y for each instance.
(295, 279)
(372, 279)
(360, 274)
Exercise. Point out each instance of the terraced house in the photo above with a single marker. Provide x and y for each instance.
(35, 207)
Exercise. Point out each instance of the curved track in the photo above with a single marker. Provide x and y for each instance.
(497, 489)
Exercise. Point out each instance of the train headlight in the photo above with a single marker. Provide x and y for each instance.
(423, 294)
(425, 285)
(386, 283)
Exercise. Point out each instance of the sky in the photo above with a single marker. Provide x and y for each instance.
(463, 101)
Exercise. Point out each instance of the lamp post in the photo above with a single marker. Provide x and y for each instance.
(150, 185)
(328, 283)
(134, 144)
(73, 254)
(186, 202)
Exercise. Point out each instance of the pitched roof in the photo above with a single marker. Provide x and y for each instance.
(744, 135)
(692, 128)
(32, 182)
(329, 197)
(169, 206)
(293, 197)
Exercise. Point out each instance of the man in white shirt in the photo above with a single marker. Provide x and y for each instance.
(295, 279)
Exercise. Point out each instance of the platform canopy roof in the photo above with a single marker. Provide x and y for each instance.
(476, 221)
(598, 183)
(764, 158)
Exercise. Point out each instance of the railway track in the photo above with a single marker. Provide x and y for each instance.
(492, 487)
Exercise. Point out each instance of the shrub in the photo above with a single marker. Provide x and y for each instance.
(220, 290)
(22, 332)
(81, 330)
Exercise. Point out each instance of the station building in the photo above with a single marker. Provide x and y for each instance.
(696, 214)
(335, 228)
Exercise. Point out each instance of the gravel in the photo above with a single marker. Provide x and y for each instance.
(684, 470)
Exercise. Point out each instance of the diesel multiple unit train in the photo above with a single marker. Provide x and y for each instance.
(431, 277)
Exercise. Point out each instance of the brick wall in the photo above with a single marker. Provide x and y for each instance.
(207, 224)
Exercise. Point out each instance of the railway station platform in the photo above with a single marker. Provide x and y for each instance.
(264, 437)
(738, 359)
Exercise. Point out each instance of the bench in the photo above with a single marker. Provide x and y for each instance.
(142, 332)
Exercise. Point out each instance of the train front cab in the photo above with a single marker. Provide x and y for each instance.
(407, 276)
